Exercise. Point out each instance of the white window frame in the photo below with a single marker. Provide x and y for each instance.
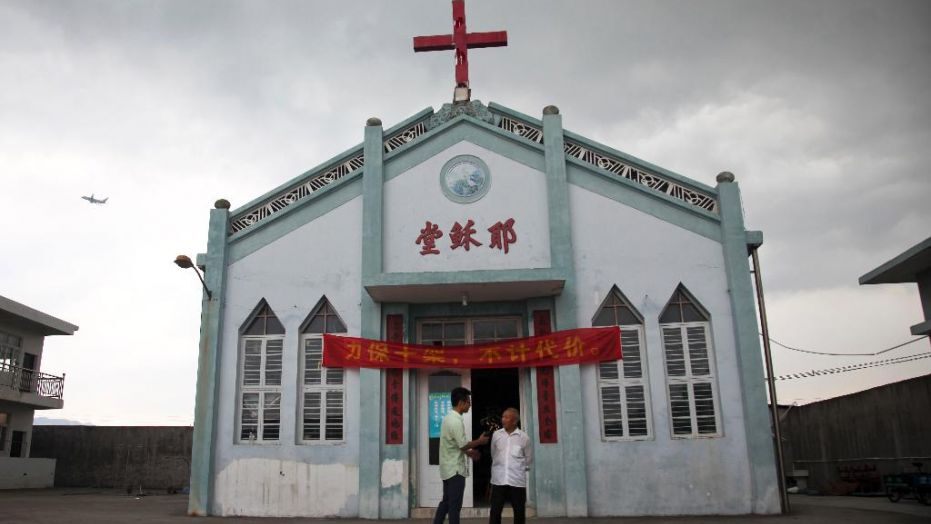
(11, 350)
(263, 389)
(326, 386)
(469, 327)
(690, 380)
(622, 383)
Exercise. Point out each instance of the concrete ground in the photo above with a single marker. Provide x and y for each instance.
(85, 506)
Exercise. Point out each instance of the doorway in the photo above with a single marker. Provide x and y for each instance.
(493, 391)
(18, 444)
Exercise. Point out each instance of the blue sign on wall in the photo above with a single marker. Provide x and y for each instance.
(439, 406)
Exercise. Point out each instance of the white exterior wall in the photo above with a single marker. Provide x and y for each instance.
(288, 478)
(517, 192)
(647, 258)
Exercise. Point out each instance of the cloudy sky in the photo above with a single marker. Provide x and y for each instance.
(820, 108)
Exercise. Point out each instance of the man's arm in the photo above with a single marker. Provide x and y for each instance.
(464, 444)
(472, 444)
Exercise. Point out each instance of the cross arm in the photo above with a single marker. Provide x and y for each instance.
(433, 43)
(488, 39)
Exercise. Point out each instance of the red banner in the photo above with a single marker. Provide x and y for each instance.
(574, 346)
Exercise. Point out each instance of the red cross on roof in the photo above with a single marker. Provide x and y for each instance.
(461, 42)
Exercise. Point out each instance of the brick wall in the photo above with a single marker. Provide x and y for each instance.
(156, 457)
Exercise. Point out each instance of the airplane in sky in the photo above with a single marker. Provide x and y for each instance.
(93, 200)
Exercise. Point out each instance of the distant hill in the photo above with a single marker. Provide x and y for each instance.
(43, 421)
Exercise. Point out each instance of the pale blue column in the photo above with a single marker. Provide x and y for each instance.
(763, 475)
(395, 499)
(569, 380)
(208, 361)
(370, 380)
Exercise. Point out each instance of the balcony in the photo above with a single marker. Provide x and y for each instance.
(27, 386)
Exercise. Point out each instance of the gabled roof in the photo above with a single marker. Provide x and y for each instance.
(34, 319)
(589, 154)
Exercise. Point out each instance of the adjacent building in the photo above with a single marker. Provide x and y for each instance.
(24, 388)
(911, 266)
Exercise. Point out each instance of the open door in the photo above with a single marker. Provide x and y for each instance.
(434, 388)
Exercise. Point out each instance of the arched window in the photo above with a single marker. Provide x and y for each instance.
(690, 369)
(261, 344)
(623, 385)
(323, 397)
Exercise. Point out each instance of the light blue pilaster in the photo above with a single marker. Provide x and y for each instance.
(208, 362)
(395, 501)
(764, 489)
(571, 423)
(370, 381)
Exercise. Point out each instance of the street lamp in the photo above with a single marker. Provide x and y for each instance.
(184, 262)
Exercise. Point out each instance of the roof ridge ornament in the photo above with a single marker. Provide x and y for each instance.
(473, 108)
(460, 41)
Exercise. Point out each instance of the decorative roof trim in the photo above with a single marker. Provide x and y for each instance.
(612, 161)
(324, 175)
(513, 123)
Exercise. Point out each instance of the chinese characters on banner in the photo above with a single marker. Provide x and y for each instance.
(394, 387)
(574, 346)
(502, 235)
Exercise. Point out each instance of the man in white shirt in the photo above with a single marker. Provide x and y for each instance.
(511, 458)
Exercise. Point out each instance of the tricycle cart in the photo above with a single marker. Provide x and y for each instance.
(915, 484)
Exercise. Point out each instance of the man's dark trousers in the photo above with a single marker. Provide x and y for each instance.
(453, 490)
(516, 496)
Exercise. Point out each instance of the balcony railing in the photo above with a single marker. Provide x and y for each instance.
(31, 381)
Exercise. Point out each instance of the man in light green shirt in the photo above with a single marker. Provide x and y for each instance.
(455, 450)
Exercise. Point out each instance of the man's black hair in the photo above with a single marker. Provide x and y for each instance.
(458, 395)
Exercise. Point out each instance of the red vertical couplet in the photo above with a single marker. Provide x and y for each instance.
(394, 387)
(546, 386)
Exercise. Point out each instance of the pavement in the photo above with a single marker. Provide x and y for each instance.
(89, 506)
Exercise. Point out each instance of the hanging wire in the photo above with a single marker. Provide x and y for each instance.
(855, 367)
(774, 341)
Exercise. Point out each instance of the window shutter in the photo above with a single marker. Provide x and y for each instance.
(273, 362)
(313, 359)
(704, 408)
(630, 344)
(681, 409)
(271, 416)
(675, 356)
(252, 363)
(334, 415)
(249, 418)
(312, 415)
(612, 416)
(698, 351)
(636, 411)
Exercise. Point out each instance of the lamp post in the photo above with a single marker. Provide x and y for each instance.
(184, 262)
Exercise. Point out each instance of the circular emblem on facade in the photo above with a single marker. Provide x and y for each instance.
(465, 179)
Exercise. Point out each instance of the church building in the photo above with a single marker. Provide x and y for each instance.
(477, 224)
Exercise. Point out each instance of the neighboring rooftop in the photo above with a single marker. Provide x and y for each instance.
(12, 311)
(903, 268)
